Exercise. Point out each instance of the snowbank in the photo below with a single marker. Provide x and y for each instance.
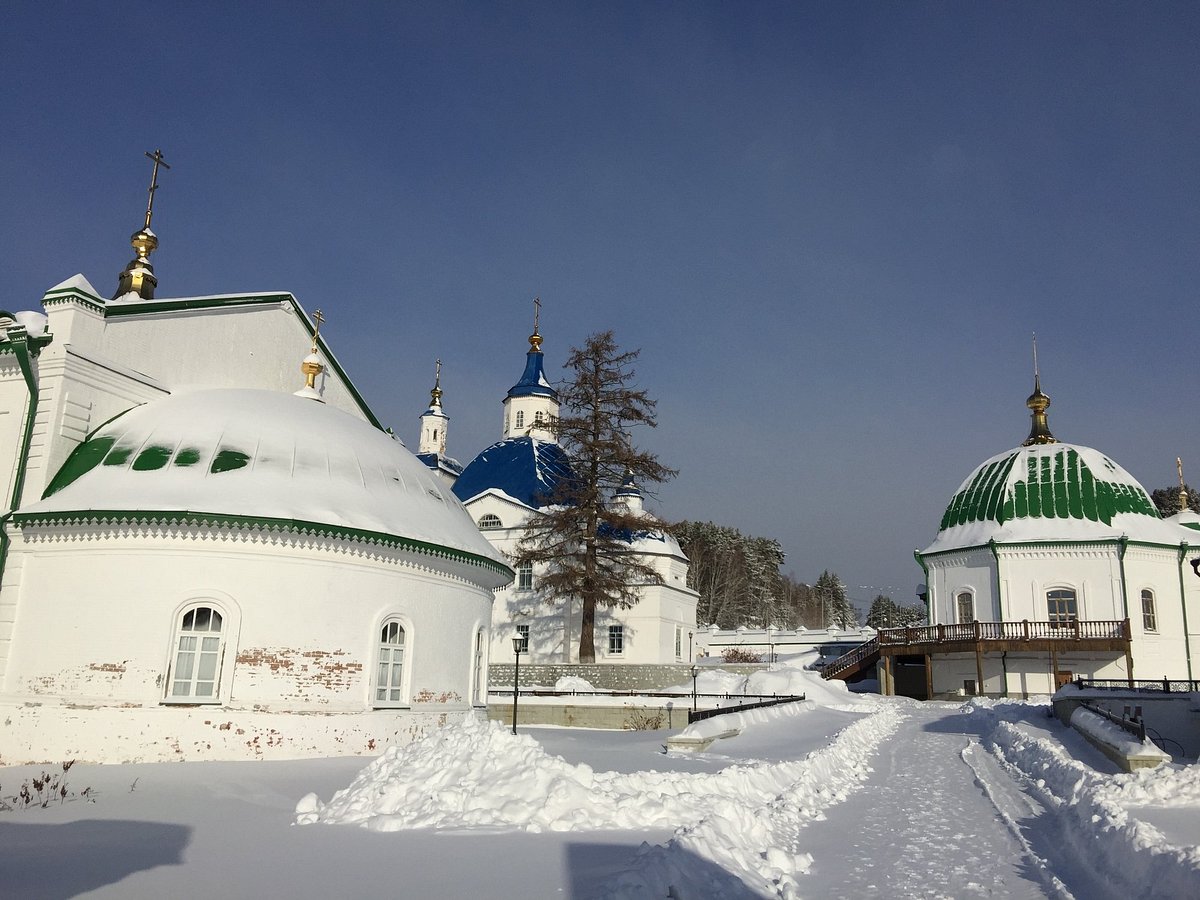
(1105, 732)
(1093, 810)
(743, 818)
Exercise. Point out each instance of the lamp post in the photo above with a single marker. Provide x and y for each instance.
(770, 646)
(518, 645)
(695, 673)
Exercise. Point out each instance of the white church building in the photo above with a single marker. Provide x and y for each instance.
(505, 485)
(198, 560)
(1051, 562)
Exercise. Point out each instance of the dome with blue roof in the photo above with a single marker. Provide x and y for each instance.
(524, 469)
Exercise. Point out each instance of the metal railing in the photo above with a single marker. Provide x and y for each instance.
(1024, 630)
(695, 715)
(1148, 686)
(1133, 724)
(550, 692)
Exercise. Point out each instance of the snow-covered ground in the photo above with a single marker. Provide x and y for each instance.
(843, 795)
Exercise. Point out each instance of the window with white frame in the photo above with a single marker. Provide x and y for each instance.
(523, 632)
(389, 673)
(1149, 614)
(1061, 606)
(196, 657)
(489, 521)
(966, 607)
(525, 577)
(616, 639)
(520, 418)
(478, 682)
(537, 418)
(678, 641)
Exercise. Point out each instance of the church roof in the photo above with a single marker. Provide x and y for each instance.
(523, 468)
(1051, 492)
(262, 456)
(533, 382)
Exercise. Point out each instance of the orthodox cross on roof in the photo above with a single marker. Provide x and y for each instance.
(1183, 494)
(157, 157)
(319, 318)
(537, 309)
(435, 395)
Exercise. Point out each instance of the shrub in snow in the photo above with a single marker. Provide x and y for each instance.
(738, 655)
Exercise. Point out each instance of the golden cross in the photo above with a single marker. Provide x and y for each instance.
(318, 317)
(158, 161)
(537, 309)
(437, 373)
(1179, 466)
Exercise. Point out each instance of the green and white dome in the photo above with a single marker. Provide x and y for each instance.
(260, 457)
(1047, 491)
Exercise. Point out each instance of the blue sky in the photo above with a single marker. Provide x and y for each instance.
(830, 227)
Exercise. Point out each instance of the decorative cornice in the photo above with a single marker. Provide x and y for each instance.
(259, 529)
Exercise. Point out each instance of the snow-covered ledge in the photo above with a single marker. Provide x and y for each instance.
(1123, 748)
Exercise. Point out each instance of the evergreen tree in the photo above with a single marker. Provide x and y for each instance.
(837, 610)
(1167, 500)
(582, 538)
(882, 613)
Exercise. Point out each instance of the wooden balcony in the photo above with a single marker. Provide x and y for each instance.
(1056, 637)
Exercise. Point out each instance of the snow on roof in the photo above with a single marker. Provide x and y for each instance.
(260, 454)
(1051, 492)
(75, 282)
(524, 468)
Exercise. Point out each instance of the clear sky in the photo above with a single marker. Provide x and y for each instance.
(830, 227)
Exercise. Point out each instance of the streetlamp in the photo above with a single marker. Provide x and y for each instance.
(770, 646)
(518, 645)
(695, 673)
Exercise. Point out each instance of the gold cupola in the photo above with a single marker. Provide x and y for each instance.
(138, 277)
(312, 366)
(1038, 403)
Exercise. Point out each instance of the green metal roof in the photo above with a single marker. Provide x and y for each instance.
(1049, 481)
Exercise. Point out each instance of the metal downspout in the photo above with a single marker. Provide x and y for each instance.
(999, 598)
(1187, 641)
(1122, 546)
(18, 339)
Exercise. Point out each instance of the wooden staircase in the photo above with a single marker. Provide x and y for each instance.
(852, 662)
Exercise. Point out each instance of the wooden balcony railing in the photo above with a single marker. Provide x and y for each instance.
(982, 632)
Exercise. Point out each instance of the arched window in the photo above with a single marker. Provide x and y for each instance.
(966, 607)
(537, 418)
(1062, 607)
(195, 674)
(389, 675)
(520, 418)
(1149, 614)
(489, 521)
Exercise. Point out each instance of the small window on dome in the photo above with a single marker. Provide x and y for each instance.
(537, 418)
(489, 521)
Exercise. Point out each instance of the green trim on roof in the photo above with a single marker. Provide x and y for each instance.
(35, 344)
(1094, 542)
(137, 307)
(300, 526)
(1059, 485)
(62, 295)
(85, 457)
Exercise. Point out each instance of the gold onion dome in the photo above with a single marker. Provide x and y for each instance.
(1038, 403)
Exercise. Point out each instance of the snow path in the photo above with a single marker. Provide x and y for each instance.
(922, 827)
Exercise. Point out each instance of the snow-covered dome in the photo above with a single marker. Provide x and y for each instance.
(523, 468)
(264, 456)
(1051, 492)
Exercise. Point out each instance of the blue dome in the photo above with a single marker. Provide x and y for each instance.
(524, 468)
(533, 381)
